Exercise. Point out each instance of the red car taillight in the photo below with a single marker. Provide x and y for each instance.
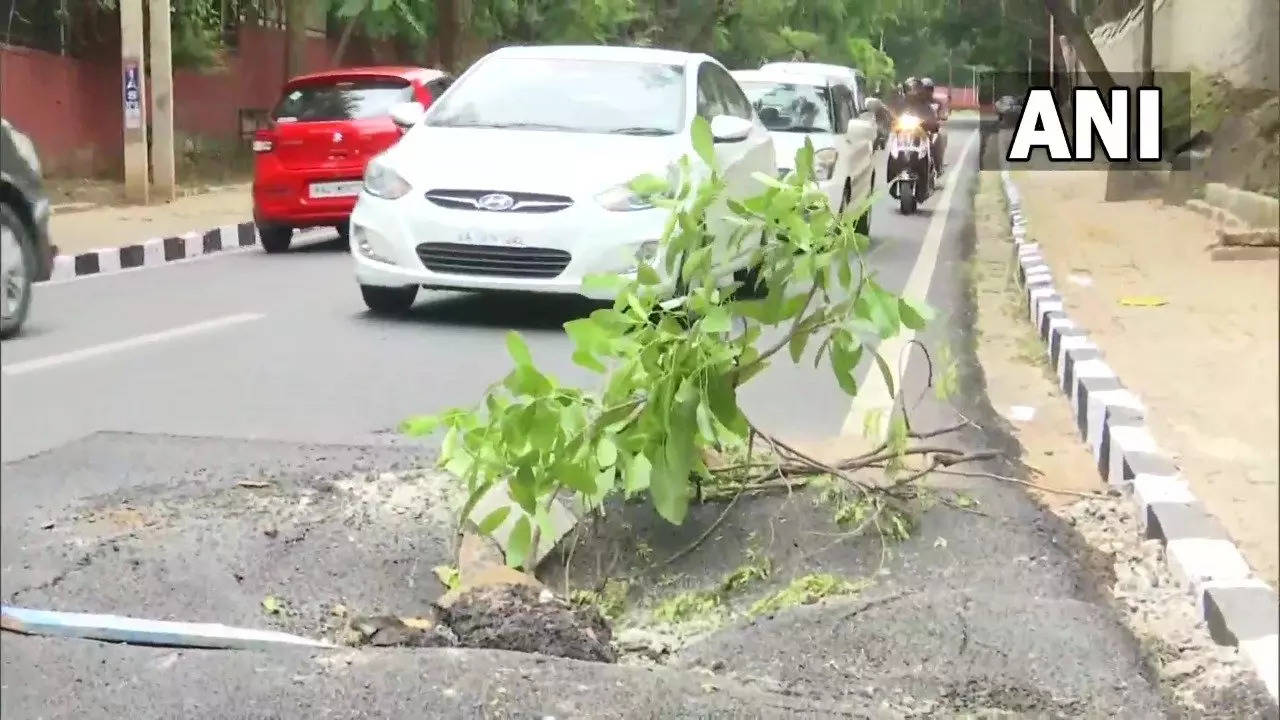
(263, 142)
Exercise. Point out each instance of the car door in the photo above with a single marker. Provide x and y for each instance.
(860, 134)
(719, 94)
(846, 150)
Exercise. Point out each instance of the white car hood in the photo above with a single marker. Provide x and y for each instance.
(558, 163)
(785, 145)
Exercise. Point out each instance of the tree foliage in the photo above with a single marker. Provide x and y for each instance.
(670, 370)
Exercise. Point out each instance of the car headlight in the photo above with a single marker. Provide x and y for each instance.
(907, 122)
(622, 198)
(824, 163)
(381, 181)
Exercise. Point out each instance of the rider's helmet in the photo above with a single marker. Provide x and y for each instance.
(910, 86)
(926, 88)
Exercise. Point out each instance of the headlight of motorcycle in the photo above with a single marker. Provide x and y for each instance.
(824, 163)
(907, 123)
(381, 181)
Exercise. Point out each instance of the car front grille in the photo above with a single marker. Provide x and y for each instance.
(519, 201)
(493, 260)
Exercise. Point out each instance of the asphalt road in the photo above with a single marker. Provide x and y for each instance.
(284, 349)
(287, 375)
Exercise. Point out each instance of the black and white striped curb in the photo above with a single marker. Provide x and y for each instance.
(1238, 608)
(154, 252)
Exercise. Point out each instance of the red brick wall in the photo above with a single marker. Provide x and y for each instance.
(72, 108)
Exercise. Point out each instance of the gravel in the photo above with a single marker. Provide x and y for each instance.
(1204, 678)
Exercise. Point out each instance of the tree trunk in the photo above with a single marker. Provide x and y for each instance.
(338, 52)
(295, 39)
(1073, 27)
(447, 40)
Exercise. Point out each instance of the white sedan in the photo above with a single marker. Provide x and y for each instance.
(798, 106)
(516, 179)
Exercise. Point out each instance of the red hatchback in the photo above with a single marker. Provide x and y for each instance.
(309, 163)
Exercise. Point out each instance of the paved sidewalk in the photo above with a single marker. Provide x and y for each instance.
(1204, 361)
(77, 231)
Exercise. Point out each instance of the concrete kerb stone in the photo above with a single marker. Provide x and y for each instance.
(157, 251)
(1238, 608)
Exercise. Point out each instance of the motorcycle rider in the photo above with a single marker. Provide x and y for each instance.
(918, 101)
(927, 89)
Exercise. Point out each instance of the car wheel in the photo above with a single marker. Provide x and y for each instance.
(17, 268)
(344, 233)
(388, 300)
(275, 238)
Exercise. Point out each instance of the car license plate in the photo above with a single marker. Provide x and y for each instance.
(480, 237)
(349, 188)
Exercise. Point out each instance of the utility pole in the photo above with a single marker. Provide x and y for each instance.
(1148, 21)
(134, 88)
(162, 156)
(1030, 50)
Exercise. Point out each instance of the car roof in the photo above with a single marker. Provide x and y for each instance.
(401, 71)
(600, 52)
(826, 68)
(817, 79)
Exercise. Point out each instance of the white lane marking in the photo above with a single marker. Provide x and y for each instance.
(873, 394)
(44, 363)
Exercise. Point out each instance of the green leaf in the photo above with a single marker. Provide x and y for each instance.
(603, 282)
(767, 180)
(703, 141)
(518, 542)
(885, 371)
(523, 489)
(845, 356)
(493, 520)
(636, 475)
(420, 425)
(721, 398)
(914, 316)
(606, 452)
(669, 483)
(526, 380)
(717, 320)
(518, 349)
(648, 184)
(577, 477)
(646, 275)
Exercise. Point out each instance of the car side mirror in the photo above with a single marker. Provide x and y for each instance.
(728, 129)
(407, 114)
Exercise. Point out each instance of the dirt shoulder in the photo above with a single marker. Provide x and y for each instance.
(76, 228)
(1204, 362)
(1202, 678)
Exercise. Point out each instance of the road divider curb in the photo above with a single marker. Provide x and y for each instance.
(1238, 608)
(157, 251)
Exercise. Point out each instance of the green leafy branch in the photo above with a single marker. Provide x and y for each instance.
(681, 338)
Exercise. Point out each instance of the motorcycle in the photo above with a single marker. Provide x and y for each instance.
(911, 163)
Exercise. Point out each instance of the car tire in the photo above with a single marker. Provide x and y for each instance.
(18, 249)
(344, 234)
(388, 300)
(275, 238)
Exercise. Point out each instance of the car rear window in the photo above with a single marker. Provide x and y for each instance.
(342, 100)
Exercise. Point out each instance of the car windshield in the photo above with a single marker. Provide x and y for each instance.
(787, 107)
(588, 96)
(342, 100)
